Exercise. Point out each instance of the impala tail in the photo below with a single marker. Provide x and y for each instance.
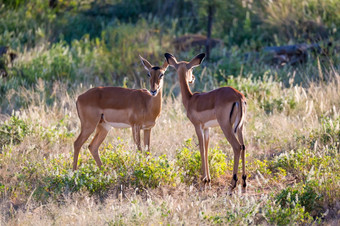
(240, 110)
(77, 108)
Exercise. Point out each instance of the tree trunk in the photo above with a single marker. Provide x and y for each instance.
(209, 27)
(53, 3)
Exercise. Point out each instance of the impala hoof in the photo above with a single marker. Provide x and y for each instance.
(206, 180)
(233, 182)
(230, 191)
(74, 167)
(244, 184)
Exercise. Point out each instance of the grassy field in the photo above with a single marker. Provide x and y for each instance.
(292, 139)
(292, 128)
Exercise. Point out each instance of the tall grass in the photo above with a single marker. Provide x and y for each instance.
(292, 131)
(292, 154)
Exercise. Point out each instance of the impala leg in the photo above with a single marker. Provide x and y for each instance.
(98, 139)
(83, 136)
(206, 148)
(199, 132)
(227, 130)
(136, 136)
(147, 135)
(243, 150)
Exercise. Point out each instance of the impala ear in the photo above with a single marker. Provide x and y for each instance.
(145, 63)
(171, 60)
(196, 61)
(165, 65)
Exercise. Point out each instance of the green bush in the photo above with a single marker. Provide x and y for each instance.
(300, 162)
(90, 178)
(295, 214)
(111, 58)
(120, 167)
(317, 151)
(55, 132)
(330, 132)
(189, 163)
(153, 172)
(304, 195)
(26, 26)
(13, 131)
(263, 92)
(300, 20)
(300, 204)
(55, 64)
(137, 168)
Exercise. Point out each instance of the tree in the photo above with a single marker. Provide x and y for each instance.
(207, 9)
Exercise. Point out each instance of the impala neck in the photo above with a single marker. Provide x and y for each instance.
(185, 91)
(156, 102)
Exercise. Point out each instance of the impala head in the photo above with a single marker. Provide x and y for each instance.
(155, 74)
(184, 68)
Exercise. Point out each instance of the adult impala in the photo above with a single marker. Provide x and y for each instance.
(101, 108)
(224, 107)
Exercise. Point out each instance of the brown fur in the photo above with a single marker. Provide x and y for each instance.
(101, 107)
(204, 109)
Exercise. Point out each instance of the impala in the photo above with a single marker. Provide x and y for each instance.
(224, 107)
(101, 108)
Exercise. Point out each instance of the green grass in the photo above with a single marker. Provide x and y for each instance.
(297, 175)
(292, 129)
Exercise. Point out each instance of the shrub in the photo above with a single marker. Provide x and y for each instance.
(120, 167)
(13, 131)
(189, 163)
(329, 133)
(55, 64)
(89, 178)
(56, 131)
(300, 162)
(26, 26)
(304, 195)
(295, 214)
(301, 20)
(153, 172)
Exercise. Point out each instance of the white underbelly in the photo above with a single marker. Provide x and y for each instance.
(146, 127)
(108, 125)
(211, 123)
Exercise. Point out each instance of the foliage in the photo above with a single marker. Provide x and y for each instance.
(306, 197)
(189, 163)
(120, 168)
(78, 42)
(26, 26)
(59, 61)
(13, 131)
(43, 175)
(283, 216)
(329, 134)
(301, 20)
(292, 129)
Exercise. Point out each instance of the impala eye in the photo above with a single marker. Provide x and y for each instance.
(149, 75)
(161, 75)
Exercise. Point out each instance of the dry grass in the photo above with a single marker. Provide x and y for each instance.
(266, 135)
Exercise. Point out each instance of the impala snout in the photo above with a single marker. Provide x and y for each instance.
(192, 79)
(153, 92)
(155, 75)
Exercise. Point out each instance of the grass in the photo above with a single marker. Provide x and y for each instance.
(292, 163)
(292, 131)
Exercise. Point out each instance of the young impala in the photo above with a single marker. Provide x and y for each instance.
(101, 108)
(224, 107)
